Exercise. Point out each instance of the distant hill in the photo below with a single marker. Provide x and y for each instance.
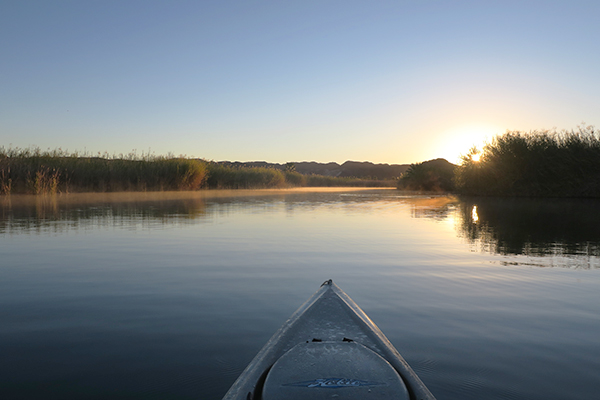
(354, 169)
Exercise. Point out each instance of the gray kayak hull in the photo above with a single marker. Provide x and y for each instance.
(329, 344)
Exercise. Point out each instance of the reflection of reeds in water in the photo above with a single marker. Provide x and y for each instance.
(65, 212)
(26, 214)
(434, 207)
(536, 227)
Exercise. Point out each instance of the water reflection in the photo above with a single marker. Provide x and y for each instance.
(433, 207)
(535, 227)
(531, 227)
(474, 215)
(183, 289)
(26, 214)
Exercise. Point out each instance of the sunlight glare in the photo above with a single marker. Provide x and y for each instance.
(457, 141)
(474, 215)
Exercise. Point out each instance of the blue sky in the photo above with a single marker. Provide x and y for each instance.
(280, 81)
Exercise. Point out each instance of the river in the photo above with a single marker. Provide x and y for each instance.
(170, 295)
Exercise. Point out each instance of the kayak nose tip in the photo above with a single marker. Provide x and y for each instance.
(327, 282)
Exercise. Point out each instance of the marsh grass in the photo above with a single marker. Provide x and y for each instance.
(34, 171)
(232, 177)
(46, 172)
(43, 181)
(229, 177)
(5, 181)
(334, 181)
(538, 163)
(295, 178)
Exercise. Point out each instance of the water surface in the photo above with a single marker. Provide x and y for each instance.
(170, 295)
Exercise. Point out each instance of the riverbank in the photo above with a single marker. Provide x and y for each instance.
(517, 164)
(32, 171)
(125, 197)
(534, 164)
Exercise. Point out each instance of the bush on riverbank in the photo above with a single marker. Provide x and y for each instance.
(431, 176)
(540, 163)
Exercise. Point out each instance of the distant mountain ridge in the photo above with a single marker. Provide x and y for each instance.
(356, 169)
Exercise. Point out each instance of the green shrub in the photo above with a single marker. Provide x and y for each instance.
(294, 178)
(434, 176)
(539, 163)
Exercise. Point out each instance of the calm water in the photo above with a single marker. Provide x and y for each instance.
(169, 296)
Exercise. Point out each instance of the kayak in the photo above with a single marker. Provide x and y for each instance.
(329, 348)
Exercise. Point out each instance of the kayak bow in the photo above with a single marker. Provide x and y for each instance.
(328, 348)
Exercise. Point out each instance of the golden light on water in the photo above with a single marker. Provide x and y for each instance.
(474, 215)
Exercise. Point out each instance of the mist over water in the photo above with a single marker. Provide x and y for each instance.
(170, 295)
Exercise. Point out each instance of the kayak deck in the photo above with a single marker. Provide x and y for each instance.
(329, 344)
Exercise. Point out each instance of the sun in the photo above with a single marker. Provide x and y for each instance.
(457, 141)
(476, 157)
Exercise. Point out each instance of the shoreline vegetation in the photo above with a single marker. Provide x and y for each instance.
(539, 163)
(33, 171)
(535, 164)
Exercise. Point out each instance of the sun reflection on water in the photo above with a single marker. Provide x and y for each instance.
(474, 215)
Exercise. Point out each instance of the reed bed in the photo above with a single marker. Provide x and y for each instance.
(34, 171)
(46, 172)
(231, 177)
(333, 181)
(228, 177)
(538, 163)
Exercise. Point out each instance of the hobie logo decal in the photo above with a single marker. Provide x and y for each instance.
(334, 383)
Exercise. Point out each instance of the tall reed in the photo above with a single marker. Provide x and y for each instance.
(334, 181)
(229, 177)
(34, 171)
(538, 163)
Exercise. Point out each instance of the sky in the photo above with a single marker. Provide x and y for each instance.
(286, 81)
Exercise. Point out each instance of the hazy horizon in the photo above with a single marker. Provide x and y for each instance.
(105, 154)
